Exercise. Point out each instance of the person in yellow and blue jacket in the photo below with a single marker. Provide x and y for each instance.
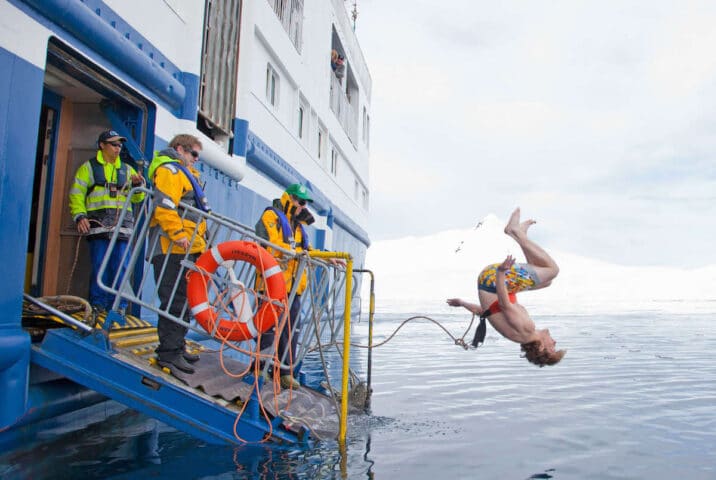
(182, 235)
(97, 196)
(283, 224)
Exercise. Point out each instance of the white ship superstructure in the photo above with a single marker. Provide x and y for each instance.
(253, 79)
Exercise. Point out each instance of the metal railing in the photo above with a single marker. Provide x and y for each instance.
(59, 313)
(290, 14)
(342, 109)
(321, 303)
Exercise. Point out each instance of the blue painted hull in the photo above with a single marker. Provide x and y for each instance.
(27, 393)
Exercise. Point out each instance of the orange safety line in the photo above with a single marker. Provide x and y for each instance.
(220, 304)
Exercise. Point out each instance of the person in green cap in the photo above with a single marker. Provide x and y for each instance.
(283, 224)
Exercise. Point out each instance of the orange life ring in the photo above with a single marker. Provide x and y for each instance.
(198, 281)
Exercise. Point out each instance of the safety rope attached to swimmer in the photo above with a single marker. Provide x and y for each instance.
(458, 341)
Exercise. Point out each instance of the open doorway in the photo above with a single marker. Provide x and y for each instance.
(80, 100)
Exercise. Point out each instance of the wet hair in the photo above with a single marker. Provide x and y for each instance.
(534, 353)
(184, 140)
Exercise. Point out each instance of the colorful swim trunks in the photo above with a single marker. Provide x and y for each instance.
(519, 278)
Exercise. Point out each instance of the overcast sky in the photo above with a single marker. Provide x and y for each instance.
(597, 118)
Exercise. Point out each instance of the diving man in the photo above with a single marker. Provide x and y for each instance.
(498, 285)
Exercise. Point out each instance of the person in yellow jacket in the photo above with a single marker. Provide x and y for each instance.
(97, 195)
(283, 224)
(182, 233)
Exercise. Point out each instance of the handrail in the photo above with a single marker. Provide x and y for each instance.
(346, 337)
(371, 314)
(138, 285)
(343, 110)
(54, 311)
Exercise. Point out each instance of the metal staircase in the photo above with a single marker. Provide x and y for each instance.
(118, 365)
(113, 354)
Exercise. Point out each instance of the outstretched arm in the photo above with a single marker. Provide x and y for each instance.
(503, 296)
(471, 307)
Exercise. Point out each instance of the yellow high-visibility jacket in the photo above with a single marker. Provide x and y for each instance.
(269, 227)
(97, 204)
(171, 186)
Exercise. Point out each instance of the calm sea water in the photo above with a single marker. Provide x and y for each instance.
(635, 397)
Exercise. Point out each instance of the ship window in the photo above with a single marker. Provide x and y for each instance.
(272, 84)
(290, 14)
(334, 162)
(219, 60)
(301, 115)
(321, 147)
(366, 126)
(356, 189)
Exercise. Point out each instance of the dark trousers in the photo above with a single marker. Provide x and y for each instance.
(171, 334)
(268, 337)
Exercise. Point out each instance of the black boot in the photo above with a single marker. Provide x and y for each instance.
(175, 362)
(191, 357)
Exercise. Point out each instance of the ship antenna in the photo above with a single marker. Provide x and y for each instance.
(354, 13)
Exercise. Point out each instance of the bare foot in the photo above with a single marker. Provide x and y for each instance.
(514, 222)
(526, 224)
(516, 229)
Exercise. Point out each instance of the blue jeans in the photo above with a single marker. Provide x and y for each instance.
(98, 249)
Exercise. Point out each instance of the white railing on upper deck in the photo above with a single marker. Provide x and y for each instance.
(341, 107)
(290, 14)
(350, 43)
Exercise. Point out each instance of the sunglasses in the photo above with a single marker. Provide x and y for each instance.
(188, 149)
(300, 201)
(114, 144)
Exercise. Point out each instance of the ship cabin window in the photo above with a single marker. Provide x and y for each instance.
(290, 14)
(301, 115)
(272, 85)
(302, 119)
(321, 147)
(356, 189)
(219, 63)
(366, 126)
(320, 143)
(334, 162)
(365, 199)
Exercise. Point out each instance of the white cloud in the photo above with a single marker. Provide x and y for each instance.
(512, 118)
(597, 117)
(388, 176)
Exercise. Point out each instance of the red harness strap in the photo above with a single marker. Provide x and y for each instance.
(495, 306)
(481, 329)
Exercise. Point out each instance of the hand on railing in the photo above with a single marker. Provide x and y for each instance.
(183, 243)
(337, 262)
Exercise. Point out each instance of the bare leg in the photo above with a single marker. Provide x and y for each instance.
(545, 266)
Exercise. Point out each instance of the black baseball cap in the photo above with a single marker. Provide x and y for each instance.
(110, 136)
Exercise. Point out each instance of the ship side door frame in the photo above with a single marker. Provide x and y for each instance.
(63, 266)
